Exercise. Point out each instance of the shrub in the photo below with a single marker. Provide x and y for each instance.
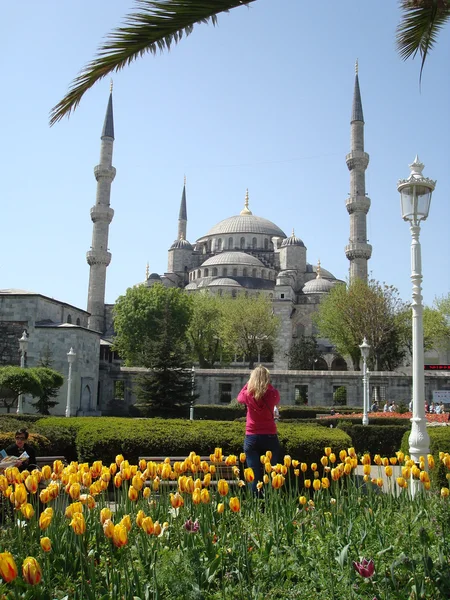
(39, 442)
(62, 433)
(375, 439)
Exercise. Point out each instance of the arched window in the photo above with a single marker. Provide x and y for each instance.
(266, 244)
(244, 272)
(270, 274)
(253, 272)
(214, 271)
(69, 318)
(254, 243)
(242, 243)
(219, 245)
(235, 272)
(230, 243)
(206, 272)
(263, 274)
(209, 245)
(199, 273)
(78, 321)
(224, 272)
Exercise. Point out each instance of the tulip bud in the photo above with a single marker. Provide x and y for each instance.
(108, 528)
(235, 505)
(220, 508)
(46, 544)
(31, 571)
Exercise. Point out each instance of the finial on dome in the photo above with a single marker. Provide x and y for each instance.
(185, 180)
(246, 210)
(293, 232)
(111, 85)
(147, 271)
(356, 67)
(318, 270)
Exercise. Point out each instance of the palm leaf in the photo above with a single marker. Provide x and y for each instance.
(155, 25)
(421, 22)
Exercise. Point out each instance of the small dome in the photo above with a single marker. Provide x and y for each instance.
(292, 240)
(154, 276)
(181, 245)
(232, 258)
(204, 281)
(224, 281)
(191, 286)
(318, 286)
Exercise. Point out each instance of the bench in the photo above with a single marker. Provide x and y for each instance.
(222, 470)
(49, 460)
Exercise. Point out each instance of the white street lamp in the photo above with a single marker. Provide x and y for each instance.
(191, 408)
(365, 349)
(71, 356)
(415, 195)
(23, 346)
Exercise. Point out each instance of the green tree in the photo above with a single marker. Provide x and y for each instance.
(169, 383)
(204, 333)
(304, 353)
(372, 310)
(141, 317)
(249, 326)
(50, 381)
(15, 381)
(157, 24)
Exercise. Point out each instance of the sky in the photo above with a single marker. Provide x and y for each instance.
(262, 101)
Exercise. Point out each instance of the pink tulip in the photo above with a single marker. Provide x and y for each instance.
(365, 568)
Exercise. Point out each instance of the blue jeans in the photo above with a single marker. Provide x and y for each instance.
(254, 446)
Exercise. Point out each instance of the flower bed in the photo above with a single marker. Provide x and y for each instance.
(430, 417)
(315, 531)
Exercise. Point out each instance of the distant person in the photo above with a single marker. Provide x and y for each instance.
(410, 406)
(386, 407)
(276, 413)
(392, 407)
(260, 398)
(21, 446)
(374, 407)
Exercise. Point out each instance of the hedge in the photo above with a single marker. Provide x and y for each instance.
(39, 442)
(376, 439)
(439, 442)
(62, 433)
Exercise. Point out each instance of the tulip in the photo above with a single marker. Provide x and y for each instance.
(20, 494)
(108, 528)
(88, 500)
(342, 455)
(222, 487)
(58, 467)
(205, 496)
(365, 568)
(327, 451)
(27, 510)
(120, 535)
(401, 482)
(366, 469)
(324, 461)
(46, 544)
(140, 517)
(316, 485)
(416, 472)
(31, 483)
(192, 526)
(277, 482)
(267, 467)
(126, 522)
(75, 507)
(325, 483)
(198, 484)
(118, 480)
(45, 519)
(302, 500)
(190, 485)
(445, 492)
(388, 471)
(307, 483)
(8, 568)
(31, 571)
(249, 475)
(157, 529)
(235, 505)
(105, 514)
(74, 491)
(147, 525)
(133, 494)
(220, 508)
(430, 461)
(78, 523)
(424, 477)
(313, 466)
(176, 500)
(242, 457)
(196, 498)
(146, 493)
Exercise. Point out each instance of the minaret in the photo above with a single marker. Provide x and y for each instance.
(358, 251)
(98, 257)
(182, 217)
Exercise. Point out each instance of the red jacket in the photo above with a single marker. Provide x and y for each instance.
(260, 412)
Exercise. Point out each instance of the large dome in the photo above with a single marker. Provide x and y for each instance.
(233, 258)
(246, 224)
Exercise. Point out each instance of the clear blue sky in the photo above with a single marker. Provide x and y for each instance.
(262, 102)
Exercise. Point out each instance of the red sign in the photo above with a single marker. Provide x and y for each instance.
(437, 367)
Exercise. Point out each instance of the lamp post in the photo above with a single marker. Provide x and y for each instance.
(71, 356)
(23, 345)
(191, 408)
(365, 349)
(415, 193)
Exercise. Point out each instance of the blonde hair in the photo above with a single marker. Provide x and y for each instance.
(258, 382)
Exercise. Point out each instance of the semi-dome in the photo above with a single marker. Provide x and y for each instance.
(292, 240)
(318, 286)
(232, 258)
(154, 276)
(245, 223)
(191, 286)
(224, 281)
(181, 245)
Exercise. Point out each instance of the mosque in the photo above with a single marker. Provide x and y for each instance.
(244, 253)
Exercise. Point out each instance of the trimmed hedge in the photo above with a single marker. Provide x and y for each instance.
(375, 421)
(39, 442)
(376, 439)
(62, 433)
(439, 442)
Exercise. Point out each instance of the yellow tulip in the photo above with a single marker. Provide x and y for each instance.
(366, 469)
(118, 480)
(351, 452)
(74, 491)
(198, 484)
(307, 483)
(205, 496)
(259, 486)
(196, 497)
(31, 571)
(445, 492)
(20, 494)
(336, 474)
(265, 478)
(380, 482)
(133, 494)
(108, 528)
(249, 475)
(430, 461)
(303, 500)
(401, 482)
(303, 467)
(242, 457)
(31, 483)
(332, 458)
(8, 568)
(342, 455)
(324, 461)
(78, 523)
(388, 471)
(415, 472)
(126, 522)
(120, 535)
(313, 466)
(287, 461)
(58, 467)
(267, 467)
(327, 451)
(316, 484)
(235, 505)
(105, 514)
(27, 510)
(220, 508)
(277, 482)
(147, 525)
(347, 469)
(75, 507)
(146, 493)
(176, 500)
(45, 519)
(222, 487)
(424, 477)
(325, 483)
(190, 485)
(88, 500)
(46, 544)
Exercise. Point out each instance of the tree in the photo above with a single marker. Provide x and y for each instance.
(142, 315)
(50, 381)
(249, 325)
(157, 24)
(304, 353)
(15, 381)
(365, 309)
(169, 383)
(204, 333)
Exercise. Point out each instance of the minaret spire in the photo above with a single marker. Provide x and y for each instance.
(102, 214)
(358, 251)
(182, 217)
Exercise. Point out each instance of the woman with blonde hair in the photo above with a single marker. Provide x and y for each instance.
(260, 398)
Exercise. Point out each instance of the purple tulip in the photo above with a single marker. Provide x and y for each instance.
(192, 526)
(366, 568)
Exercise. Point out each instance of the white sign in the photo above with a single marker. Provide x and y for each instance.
(441, 396)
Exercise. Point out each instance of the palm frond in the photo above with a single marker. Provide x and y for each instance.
(156, 25)
(420, 24)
